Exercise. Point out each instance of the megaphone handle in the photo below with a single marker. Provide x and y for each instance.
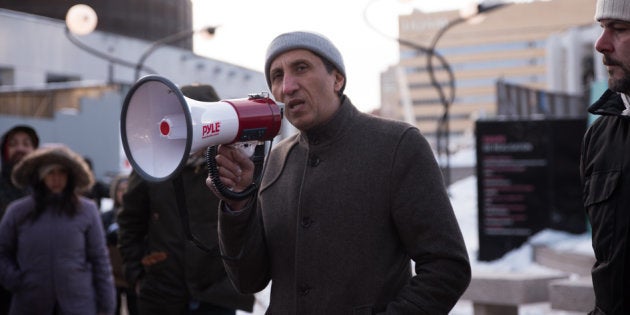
(258, 157)
(213, 172)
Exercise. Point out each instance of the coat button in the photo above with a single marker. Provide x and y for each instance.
(306, 222)
(313, 160)
(303, 290)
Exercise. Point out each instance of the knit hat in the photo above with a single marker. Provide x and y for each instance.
(316, 43)
(613, 9)
(29, 167)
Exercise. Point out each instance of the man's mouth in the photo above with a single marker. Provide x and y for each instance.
(608, 62)
(293, 103)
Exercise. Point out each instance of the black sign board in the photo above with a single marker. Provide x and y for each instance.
(527, 181)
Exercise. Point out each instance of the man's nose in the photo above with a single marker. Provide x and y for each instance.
(289, 85)
(603, 43)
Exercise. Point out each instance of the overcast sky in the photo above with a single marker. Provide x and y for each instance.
(247, 27)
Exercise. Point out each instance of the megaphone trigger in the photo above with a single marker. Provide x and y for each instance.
(246, 148)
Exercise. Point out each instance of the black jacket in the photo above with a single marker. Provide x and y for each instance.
(605, 171)
(149, 222)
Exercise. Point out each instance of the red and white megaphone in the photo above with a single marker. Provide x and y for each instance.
(160, 127)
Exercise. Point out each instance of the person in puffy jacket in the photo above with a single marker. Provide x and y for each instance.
(52, 246)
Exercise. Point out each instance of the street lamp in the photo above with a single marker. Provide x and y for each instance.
(432, 53)
(416, 46)
(168, 40)
(466, 14)
(443, 124)
(81, 20)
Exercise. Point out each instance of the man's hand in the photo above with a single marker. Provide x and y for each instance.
(236, 172)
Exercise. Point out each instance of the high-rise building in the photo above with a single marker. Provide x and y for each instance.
(518, 43)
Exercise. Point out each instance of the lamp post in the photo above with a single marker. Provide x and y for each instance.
(81, 20)
(97, 53)
(416, 46)
(164, 41)
(443, 123)
(431, 53)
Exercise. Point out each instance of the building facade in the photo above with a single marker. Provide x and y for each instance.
(149, 20)
(543, 45)
(74, 97)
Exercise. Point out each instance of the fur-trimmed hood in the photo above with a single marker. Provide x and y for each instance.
(27, 169)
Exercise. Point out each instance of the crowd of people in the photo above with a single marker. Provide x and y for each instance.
(60, 253)
(335, 228)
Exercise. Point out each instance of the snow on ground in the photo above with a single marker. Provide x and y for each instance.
(464, 199)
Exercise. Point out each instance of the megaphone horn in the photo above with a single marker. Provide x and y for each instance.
(160, 127)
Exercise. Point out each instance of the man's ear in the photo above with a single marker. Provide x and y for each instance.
(339, 81)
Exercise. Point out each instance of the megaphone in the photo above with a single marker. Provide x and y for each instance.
(160, 127)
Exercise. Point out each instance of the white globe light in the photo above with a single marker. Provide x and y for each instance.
(81, 19)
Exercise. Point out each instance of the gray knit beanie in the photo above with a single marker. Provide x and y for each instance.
(613, 9)
(316, 43)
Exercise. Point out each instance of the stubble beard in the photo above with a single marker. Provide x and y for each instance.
(622, 84)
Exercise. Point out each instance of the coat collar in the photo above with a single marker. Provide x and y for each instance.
(326, 133)
(610, 103)
(332, 129)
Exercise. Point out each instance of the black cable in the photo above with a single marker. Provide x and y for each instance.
(258, 158)
(260, 165)
(213, 172)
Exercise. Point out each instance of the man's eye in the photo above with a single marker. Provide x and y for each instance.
(620, 27)
(275, 76)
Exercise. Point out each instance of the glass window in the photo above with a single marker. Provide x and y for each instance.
(7, 76)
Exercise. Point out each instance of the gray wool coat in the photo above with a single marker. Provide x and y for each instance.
(340, 213)
(56, 259)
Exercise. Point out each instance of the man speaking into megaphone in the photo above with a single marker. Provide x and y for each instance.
(343, 204)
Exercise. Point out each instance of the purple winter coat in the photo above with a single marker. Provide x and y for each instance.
(56, 259)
